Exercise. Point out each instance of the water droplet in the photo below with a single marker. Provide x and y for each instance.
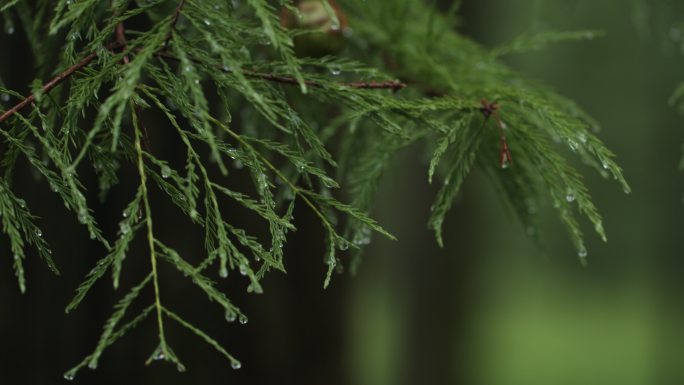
(69, 376)
(335, 26)
(257, 289)
(165, 172)
(39, 233)
(572, 144)
(582, 252)
(243, 269)
(125, 214)
(235, 365)
(243, 319)
(570, 197)
(10, 29)
(82, 217)
(207, 22)
(5, 97)
(232, 153)
(93, 235)
(92, 365)
(188, 69)
(223, 272)
(159, 356)
(124, 228)
(363, 236)
(54, 187)
(335, 71)
(605, 165)
(231, 316)
(343, 246)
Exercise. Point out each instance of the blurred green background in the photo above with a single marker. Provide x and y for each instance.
(490, 308)
(493, 308)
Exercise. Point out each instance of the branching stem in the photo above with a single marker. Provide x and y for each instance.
(54, 82)
(372, 85)
(150, 232)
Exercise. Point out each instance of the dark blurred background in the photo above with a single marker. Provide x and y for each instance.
(490, 308)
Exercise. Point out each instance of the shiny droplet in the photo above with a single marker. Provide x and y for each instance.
(243, 319)
(124, 228)
(582, 252)
(570, 197)
(231, 316)
(165, 172)
(235, 365)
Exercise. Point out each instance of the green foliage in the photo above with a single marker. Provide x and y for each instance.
(314, 131)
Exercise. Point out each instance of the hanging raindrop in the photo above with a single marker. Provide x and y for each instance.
(570, 197)
(231, 316)
(165, 172)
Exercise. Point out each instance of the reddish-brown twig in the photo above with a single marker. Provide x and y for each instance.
(54, 82)
(491, 109)
(174, 20)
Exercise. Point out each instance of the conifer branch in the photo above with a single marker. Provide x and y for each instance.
(54, 82)
(150, 234)
(174, 21)
(371, 85)
(211, 79)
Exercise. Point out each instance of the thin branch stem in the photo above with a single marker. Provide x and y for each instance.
(295, 188)
(372, 85)
(174, 20)
(54, 82)
(150, 232)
